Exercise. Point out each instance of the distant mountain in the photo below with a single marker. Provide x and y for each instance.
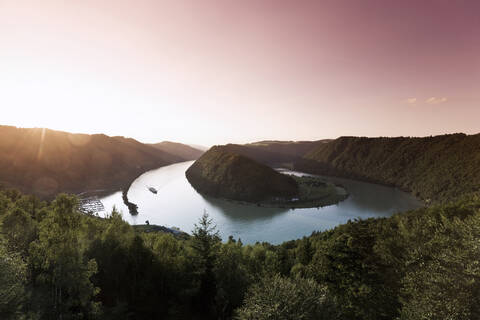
(225, 174)
(199, 147)
(438, 168)
(290, 148)
(183, 151)
(275, 153)
(45, 162)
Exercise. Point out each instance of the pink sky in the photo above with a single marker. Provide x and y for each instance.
(210, 72)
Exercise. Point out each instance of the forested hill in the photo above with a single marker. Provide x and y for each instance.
(45, 162)
(182, 150)
(225, 174)
(438, 168)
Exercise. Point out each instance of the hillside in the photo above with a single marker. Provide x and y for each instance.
(45, 162)
(181, 150)
(438, 168)
(225, 174)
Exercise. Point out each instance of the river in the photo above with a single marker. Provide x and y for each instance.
(177, 204)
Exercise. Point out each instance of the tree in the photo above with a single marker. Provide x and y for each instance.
(175, 276)
(232, 278)
(355, 275)
(61, 273)
(442, 278)
(205, 244)
(304, 251)
(12, 280)
(281, 298)
(19, 230)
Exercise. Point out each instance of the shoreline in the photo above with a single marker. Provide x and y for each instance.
(336, 193)
(284, 205)
(302, 167)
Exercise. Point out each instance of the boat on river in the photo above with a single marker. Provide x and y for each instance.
(153, 190)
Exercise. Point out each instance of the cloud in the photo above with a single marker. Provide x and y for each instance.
(435, 100)
(411, 100)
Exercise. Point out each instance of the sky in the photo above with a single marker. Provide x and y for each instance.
(217, 71)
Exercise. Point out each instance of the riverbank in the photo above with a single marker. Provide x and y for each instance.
(92, 206)
(314, 192)
(153, 228)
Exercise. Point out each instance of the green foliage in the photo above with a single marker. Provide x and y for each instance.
(60, 269)
(357, 279)
(439, 261)
(422, 264)
(12, 284)
(279, 298)
(205, 241)
(232, 278)
(18, 229)
(205, 244)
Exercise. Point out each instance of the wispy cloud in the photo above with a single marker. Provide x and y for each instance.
(411, 100)
(435, 100)
(432, 100)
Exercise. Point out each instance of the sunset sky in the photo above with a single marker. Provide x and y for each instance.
(211, 72)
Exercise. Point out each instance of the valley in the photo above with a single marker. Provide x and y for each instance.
(178, 204)
(240, 160)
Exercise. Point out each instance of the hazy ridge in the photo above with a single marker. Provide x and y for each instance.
(184, 151)
(438, 168)
(45, 162)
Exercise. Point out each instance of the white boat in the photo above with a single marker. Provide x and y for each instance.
(152, 190)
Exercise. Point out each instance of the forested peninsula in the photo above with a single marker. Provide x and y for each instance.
(222, 173)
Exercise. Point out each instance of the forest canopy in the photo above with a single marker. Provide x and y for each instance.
(56, 262)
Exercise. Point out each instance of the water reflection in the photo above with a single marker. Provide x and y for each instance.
(246, 212)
